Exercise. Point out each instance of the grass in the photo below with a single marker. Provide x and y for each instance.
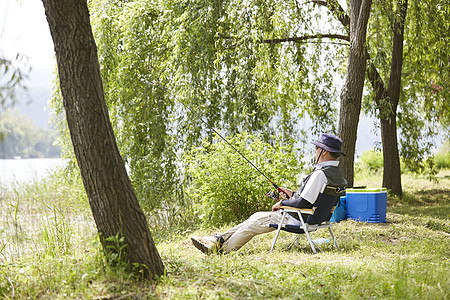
(396, 260)
(49, 250)
(421, 196)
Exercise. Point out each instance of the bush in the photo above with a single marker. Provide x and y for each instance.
(442, 158)
(371, 160)
(226, 188)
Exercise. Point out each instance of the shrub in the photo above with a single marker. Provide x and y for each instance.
(225, 188)
(371, 160)
(442, 158)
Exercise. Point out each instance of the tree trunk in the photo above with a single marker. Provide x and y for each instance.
(111, 196)
(391, 160)
(351, 94)
(391, 96)
(391, 165)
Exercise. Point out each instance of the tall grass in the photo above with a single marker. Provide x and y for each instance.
(42, 215)
(42, 226)
(49, 249)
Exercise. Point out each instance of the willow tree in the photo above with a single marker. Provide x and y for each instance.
(411, 85)
(387, 97)
(243, 66)
(408, 87)
(13, 71)
(120, 221)
(351, 95)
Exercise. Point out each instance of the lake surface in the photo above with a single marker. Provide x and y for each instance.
(25, 170)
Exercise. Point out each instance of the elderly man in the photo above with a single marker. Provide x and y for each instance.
(326, 171)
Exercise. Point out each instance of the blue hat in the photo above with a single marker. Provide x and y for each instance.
(329, 142)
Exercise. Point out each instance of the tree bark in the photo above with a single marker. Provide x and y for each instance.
(391, 159)
(387, 102)
(111, 196)
(388, 113)
(391, 167)
(351, 94)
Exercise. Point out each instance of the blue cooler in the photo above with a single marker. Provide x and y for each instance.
(367, 205)
(340, 213)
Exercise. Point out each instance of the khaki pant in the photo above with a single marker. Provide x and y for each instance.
(258, 223)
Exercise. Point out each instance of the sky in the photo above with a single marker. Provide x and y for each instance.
(24, 30)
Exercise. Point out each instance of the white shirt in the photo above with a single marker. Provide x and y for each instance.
(317, 181)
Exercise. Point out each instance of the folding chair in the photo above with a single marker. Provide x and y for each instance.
(319, 217)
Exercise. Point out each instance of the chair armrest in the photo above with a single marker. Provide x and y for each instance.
(308, 211)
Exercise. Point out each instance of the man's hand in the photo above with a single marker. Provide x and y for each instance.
(285, 192)
(276, 206)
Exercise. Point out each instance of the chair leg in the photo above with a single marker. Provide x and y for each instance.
(295, 242)
(278, 231)
(334, 238)
(311, 243)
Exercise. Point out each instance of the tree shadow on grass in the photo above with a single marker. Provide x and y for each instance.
(434, 203)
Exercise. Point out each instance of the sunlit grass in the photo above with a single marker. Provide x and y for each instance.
(49, 249)
(421, 196)
(376, 261)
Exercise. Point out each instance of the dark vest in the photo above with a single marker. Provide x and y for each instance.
(334, 178)
(335, 184)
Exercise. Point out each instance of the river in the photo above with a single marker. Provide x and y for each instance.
(26, 170)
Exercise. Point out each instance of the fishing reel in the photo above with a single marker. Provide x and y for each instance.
(273, 195)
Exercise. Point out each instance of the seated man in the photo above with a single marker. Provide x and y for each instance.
(328, 150)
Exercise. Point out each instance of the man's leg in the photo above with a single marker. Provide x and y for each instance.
(214, 243)
(258, 223)
(236, 237)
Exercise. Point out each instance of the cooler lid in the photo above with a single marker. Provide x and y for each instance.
(367, 190)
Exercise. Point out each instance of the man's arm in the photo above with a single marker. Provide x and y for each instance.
(314, 186)
(297, 202)
(285, 192)
(309, 194)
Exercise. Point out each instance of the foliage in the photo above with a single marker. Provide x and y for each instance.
(424, 99)
(13, 72)
(428, 74)
(371, 160)
(151, 51)
(22, 138)
(442, 158)
(158, 64)
(413, 246)
(225, 188)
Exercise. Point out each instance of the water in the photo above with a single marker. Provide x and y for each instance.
(26, 170)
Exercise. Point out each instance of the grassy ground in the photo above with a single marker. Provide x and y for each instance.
(49, 250)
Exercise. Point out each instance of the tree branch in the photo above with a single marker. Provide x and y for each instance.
(377, 83)
(361, 26)
(291, 39)
(307, 37)
(337, 10)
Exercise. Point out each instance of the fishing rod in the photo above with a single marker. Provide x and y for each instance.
(209, 126)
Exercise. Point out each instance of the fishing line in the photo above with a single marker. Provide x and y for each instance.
(215, 131)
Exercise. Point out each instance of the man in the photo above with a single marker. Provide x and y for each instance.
(326, 171)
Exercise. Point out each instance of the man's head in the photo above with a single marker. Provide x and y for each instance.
(328, 147)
